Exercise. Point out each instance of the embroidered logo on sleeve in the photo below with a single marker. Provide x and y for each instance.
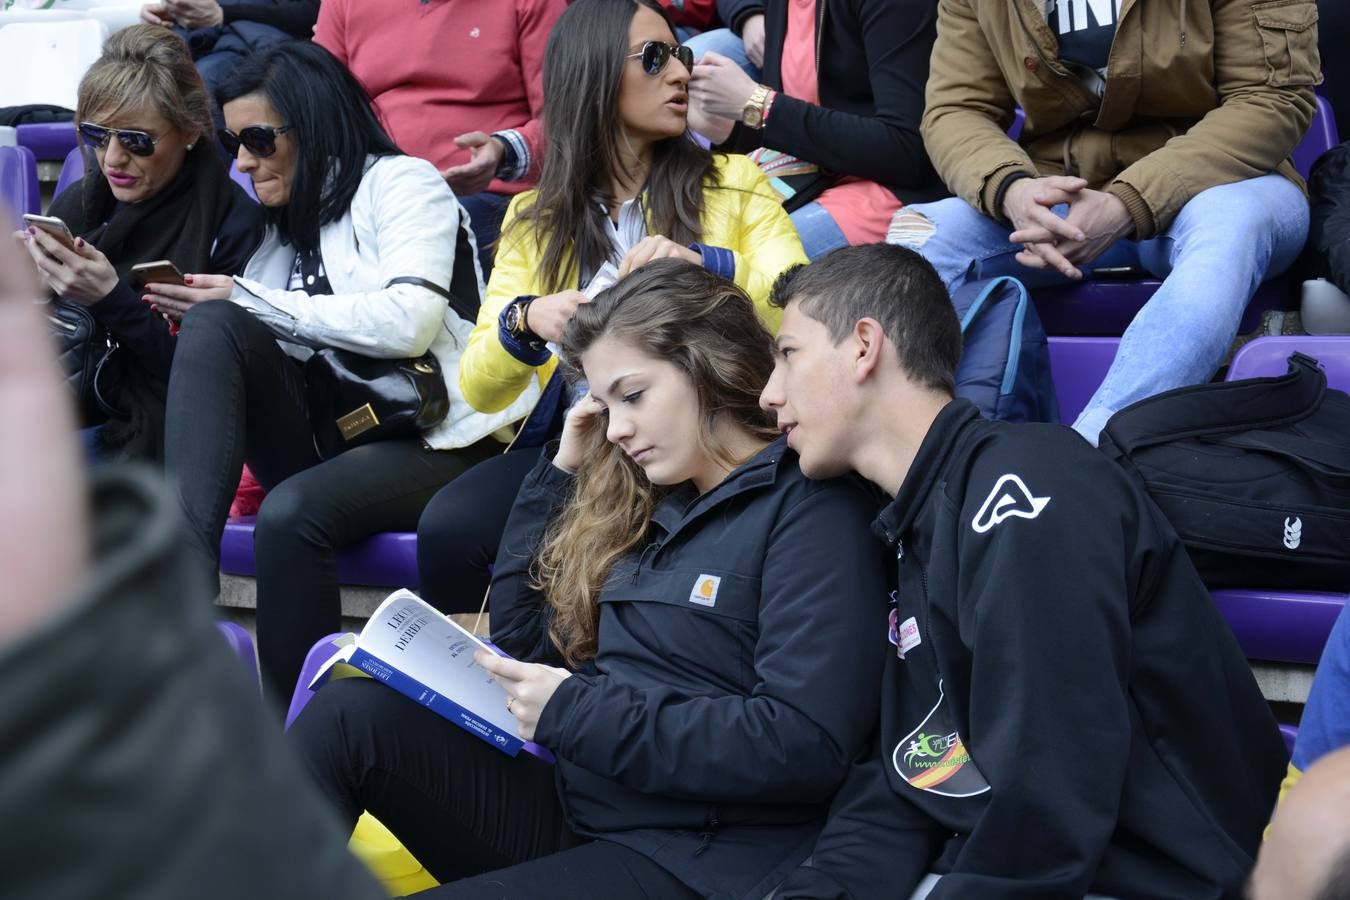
(1009, 498)
(705, 590)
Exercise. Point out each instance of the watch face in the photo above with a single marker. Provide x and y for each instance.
(513, 319)
(753, 116)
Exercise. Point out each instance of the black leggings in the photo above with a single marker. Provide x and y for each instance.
(461, 527)
(484, 824)
(235, 396)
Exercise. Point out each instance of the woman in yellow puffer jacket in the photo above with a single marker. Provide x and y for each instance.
(622, 183)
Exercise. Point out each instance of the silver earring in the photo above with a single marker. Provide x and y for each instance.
(190, 146)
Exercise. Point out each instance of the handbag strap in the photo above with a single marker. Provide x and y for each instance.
(462, 309)
(464, 278)
(1248, 404)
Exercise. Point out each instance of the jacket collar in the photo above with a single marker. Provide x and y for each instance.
(684, 504)
(896, 517)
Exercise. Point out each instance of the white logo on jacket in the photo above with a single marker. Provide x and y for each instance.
(1010, 497)
(705, 590)
(1293, 533)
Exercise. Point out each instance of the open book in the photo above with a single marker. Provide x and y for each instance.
(417, 651)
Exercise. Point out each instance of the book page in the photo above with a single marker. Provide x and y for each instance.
(414, 638)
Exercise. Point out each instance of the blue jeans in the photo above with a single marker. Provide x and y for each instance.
(1218, 250)
(725, 42)
(818, 231)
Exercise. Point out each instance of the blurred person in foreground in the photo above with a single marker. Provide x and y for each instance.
(135, 753)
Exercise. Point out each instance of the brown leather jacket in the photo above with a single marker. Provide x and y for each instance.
(1198, 93)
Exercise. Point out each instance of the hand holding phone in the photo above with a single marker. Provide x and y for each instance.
(161, 271)
(52, 226)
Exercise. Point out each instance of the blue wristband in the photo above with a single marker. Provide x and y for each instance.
(531, 353)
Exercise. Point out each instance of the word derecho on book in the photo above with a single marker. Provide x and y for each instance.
(417, 651)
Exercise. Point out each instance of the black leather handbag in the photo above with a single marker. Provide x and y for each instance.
(88, 356)
(355, 399)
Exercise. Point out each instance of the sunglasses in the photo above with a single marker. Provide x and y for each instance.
(137, 143)
(655, 55)
(260, 140)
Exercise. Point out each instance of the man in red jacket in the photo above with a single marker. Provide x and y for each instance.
(459, 84)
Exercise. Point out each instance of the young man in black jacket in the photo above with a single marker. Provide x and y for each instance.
(1065, 711)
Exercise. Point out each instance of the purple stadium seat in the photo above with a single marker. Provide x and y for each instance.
(1289, 734)
(1280, 626)
(244, 181)
(18, 186)
(1106, 307)
(1078, 365)
(383, 560)
(315, 658)
(48, 140)
(72, 170)
(1269, 356)
(1322, 136)
(241, 644)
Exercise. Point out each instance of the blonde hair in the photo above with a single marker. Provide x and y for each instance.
(706, 326)
(146, 64)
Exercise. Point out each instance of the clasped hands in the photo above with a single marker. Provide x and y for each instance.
(1094, 222)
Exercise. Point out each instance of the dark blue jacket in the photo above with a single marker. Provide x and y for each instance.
(735, 681)
(1064, 709)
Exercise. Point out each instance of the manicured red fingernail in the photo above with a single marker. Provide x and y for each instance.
(79, 242)
(145, 299)
(187, 279)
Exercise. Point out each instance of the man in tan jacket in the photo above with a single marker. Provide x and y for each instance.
(1157, 136)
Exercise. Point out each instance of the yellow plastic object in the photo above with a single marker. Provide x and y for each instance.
(398, 870)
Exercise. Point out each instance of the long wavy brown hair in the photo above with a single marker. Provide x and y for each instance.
(583, 65)
(706, 326)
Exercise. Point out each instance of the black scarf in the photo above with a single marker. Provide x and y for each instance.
(179, 223)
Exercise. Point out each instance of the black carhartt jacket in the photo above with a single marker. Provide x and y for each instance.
(735, 679)
(1064, 710)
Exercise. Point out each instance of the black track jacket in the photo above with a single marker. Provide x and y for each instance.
(1064, 710)
(736, 677)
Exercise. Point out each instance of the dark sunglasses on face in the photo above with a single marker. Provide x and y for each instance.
(137, 143)
(655, 55)
(260, 140)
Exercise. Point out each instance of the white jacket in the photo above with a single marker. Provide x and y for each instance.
(403, 221)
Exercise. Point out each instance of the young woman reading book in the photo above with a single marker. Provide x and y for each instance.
(697, 630)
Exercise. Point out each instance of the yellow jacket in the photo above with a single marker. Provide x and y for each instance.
(743, 215)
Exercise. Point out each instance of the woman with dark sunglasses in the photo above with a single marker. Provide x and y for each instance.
(363, 247)
(622, 184)
(156, 190)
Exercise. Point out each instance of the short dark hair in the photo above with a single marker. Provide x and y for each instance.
(333, 124)
(895, 286)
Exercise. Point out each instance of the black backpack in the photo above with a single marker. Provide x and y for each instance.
(1253, 474)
